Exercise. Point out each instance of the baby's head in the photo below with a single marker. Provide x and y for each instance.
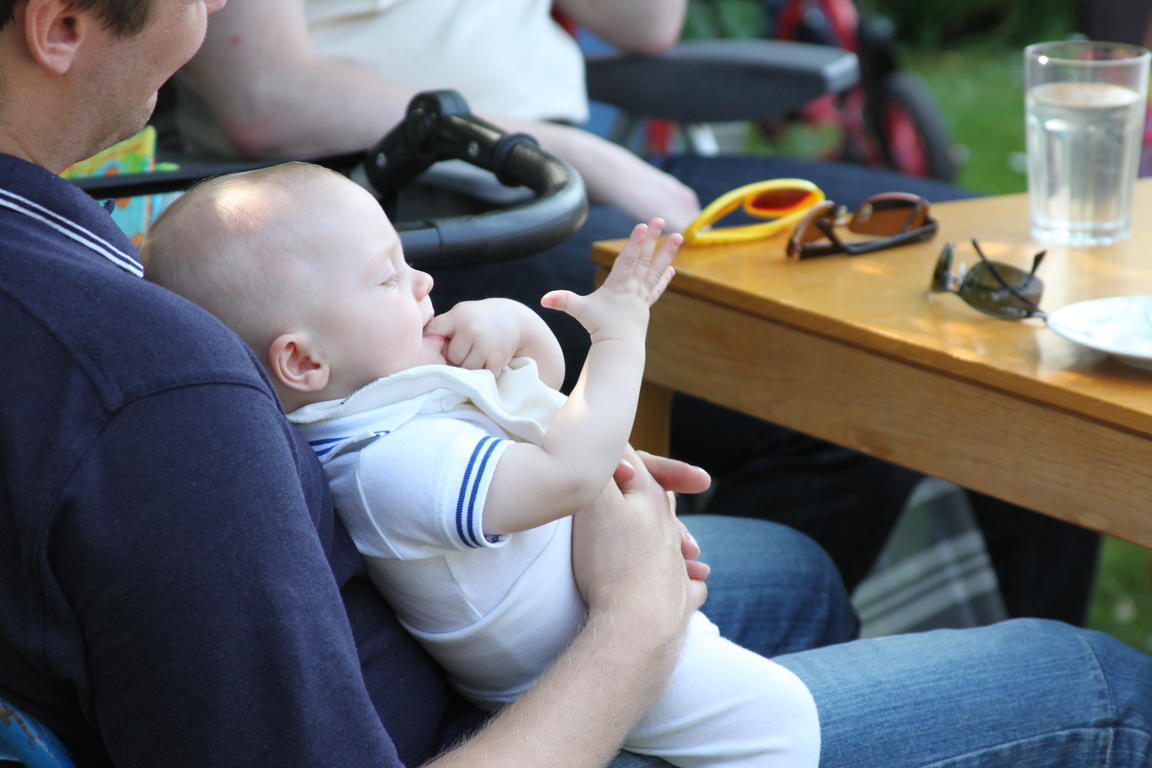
(304, 265)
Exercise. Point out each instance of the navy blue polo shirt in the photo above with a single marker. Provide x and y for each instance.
(174, 587)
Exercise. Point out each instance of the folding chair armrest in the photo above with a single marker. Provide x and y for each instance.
(712, 81)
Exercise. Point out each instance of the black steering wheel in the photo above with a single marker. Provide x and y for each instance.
(437, 126)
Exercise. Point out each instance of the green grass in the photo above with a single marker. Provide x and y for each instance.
(1122, 601)
(981, 97)
(980, 93)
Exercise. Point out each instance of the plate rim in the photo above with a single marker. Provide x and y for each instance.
(1064, 330)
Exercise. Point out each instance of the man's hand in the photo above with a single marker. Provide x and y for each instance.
(618, 309)
(628, 550)
(626, 555)
(674, 477)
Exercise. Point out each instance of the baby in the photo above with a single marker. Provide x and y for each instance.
(453, 461)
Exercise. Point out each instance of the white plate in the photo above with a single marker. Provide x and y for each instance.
(1120, 326)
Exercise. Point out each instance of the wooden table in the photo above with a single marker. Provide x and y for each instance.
(856, 351)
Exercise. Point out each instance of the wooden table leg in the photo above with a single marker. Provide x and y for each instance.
(650, 430)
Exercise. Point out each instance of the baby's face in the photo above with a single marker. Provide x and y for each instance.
(372, 306)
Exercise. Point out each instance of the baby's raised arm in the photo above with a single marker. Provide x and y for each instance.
(534, 484)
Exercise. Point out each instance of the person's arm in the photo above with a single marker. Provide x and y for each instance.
(641, 26)
(587, 437)
(275, 97)
(613, 175)
(626, 555)
(489, 333)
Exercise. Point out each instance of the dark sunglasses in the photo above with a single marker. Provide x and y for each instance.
(895, 218)
(993, 287)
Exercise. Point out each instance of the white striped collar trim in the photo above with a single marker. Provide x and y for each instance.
(72, 230)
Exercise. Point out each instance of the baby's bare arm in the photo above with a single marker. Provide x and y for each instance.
(585, 441)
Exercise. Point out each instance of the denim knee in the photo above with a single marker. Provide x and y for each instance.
(1021, 693)
(772, 589)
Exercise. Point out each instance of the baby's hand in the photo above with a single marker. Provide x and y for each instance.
(480, 334)
(619, 307)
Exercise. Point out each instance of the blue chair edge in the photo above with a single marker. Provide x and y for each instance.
(25, 739)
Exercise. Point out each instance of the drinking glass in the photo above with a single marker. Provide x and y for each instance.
(1084, 110)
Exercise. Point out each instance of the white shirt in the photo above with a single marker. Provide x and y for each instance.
(507, 58)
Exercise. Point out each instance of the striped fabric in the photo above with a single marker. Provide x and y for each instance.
(73, 231)
(934, 572)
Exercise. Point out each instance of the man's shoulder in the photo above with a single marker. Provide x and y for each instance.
(72, 300)
(125, 336)
(172, 342)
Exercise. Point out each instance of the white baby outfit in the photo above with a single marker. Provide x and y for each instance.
(410, 458)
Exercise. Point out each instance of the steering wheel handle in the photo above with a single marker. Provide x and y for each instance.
(439, 126)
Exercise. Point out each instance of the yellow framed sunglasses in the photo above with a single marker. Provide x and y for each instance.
(782, 201)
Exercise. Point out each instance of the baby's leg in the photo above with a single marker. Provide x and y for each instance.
(726, 706)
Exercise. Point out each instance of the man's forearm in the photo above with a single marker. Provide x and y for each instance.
(628, 563)
(323, 106)
(579, 712)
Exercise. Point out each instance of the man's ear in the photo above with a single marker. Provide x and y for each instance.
(54, 32)
(293, 362)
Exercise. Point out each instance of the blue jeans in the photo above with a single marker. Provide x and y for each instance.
(772, 589)
(1022, 693)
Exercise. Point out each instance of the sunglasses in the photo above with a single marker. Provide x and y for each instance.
(994, 288)
(895, 218)
(781, 201)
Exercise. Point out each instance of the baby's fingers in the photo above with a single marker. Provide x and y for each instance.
(636, 255)
(657, 290)
(660, 269)
(441, 325)
(566, 301)
(458, 349)
(667, 252)
(557, 300)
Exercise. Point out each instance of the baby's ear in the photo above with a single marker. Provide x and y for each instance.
(294, 363)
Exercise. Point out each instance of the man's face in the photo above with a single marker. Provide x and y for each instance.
(119, 76)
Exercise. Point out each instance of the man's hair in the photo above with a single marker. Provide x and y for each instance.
(124, 17)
